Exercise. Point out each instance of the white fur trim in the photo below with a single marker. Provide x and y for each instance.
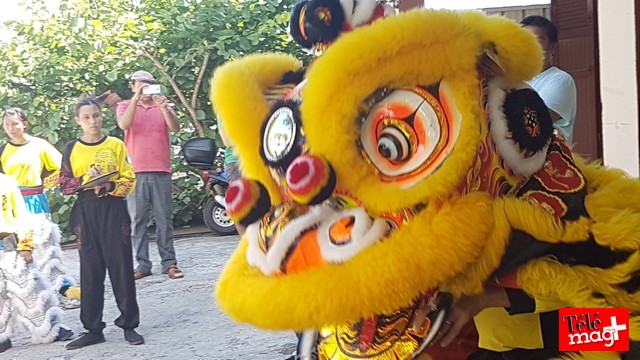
(364, 233)
(7, 322)
(47, 330)
(255, 255)
(507, 148)
(347, 7)
(45, 232)
(28, 300)
(362, 11)
(47, 254)
(33, 304)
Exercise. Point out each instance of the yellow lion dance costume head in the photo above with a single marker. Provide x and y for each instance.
(412, 165)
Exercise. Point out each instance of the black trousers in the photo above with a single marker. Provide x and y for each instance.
(103, 228)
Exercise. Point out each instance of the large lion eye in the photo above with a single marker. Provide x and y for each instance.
(408, 133)
(279, 134)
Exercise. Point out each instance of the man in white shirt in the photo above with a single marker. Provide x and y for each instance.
(555, 87)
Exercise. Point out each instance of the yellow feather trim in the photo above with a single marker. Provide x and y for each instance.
(539, 223)
(473, 279)
(583, 286)
(598, 176)
(237, 94)
(382, 278)
(620, 232)
(515, 213)
(606, 202)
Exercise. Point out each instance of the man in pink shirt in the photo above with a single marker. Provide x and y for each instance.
(146, 120)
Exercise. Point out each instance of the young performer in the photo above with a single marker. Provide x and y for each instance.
(101, 221)
(27, 299)
(32, 161)
(35, 165)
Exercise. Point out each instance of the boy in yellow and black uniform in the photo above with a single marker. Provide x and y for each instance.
(101, 222)
(26, 297)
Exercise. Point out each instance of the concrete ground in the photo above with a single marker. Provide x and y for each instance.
(179, 318)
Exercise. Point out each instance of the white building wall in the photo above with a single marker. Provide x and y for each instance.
(618, 84)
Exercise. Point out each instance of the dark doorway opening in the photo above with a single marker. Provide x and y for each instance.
(578, 55)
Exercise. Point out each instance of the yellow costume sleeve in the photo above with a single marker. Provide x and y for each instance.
(51, 159)
(127, 179)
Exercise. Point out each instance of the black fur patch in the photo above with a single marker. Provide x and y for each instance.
(261, 207)
(293, 77)
(528, 119)
(316, 21)
(326, 190)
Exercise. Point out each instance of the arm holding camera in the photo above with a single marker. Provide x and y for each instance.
(169, 115)
(126, 119)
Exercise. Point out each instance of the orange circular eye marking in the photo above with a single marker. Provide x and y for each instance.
(340, 232)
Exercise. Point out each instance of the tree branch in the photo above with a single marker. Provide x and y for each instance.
(192, 112)
(196, 88)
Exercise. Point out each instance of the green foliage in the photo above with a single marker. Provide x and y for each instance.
(89, 47)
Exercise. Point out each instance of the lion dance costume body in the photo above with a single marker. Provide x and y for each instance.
(27, 299)
(409, 166)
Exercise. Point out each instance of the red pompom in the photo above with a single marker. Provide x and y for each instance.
(310, 179)
(247, 201)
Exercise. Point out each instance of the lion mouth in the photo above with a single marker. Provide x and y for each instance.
(294, 238)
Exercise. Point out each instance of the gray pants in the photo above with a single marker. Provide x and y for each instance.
(233, 171)
(152, 190)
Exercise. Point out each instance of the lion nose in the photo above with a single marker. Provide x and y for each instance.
(310, 179)
(247, 201)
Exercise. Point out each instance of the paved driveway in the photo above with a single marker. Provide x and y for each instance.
(179, 319)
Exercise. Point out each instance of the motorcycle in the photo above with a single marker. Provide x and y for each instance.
(202, 154)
